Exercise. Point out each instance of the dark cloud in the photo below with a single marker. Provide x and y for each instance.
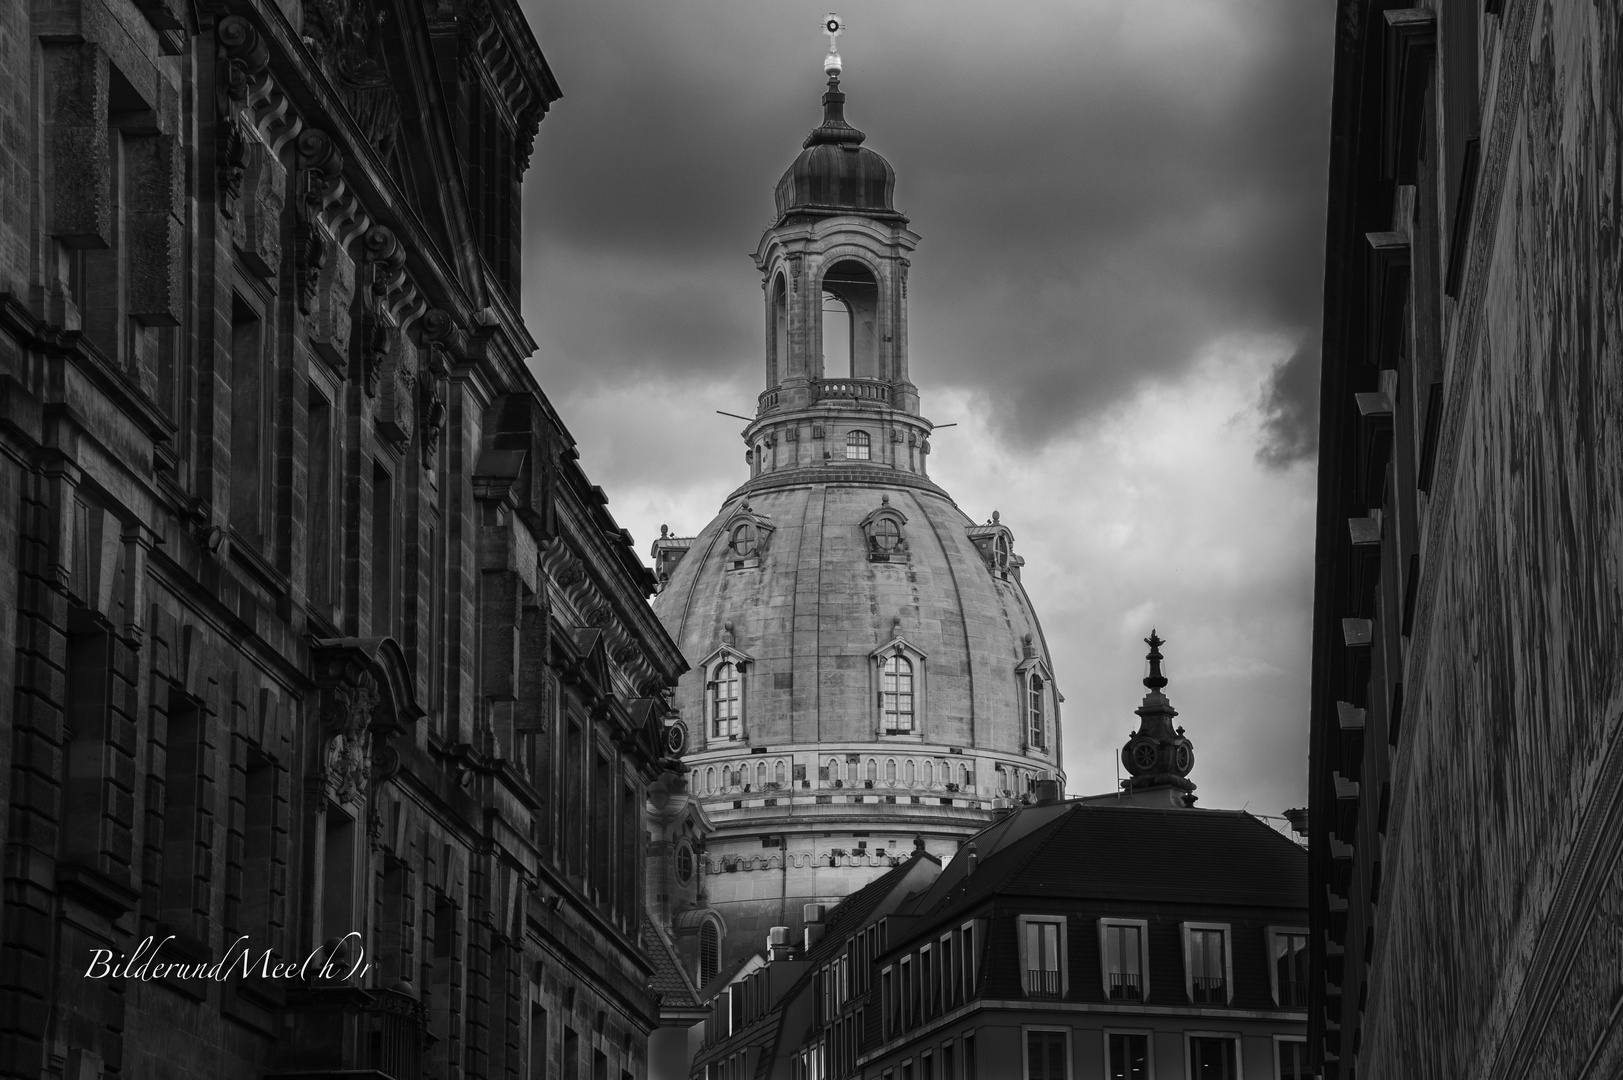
(1290, 410)
(1102, 190)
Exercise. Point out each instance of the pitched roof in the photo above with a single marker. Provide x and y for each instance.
(854, 910)
(1110, 852)
(670, 981)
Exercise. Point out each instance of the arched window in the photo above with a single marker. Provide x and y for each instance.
(710, 779)
(836, 338)
(908, 775)
(858, 446)
(929, 773)
(834, 770)
(851, 771)
(778, 773)
(726, 777)
(779, 359)
(896, 693)
(963, 777)
(709, 952)
(724, 702)
(760, 774)
(1034, 709)
(890, 770)
(744, 541)
(873, 771)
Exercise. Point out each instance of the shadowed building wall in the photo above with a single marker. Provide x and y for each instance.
(1467, 752)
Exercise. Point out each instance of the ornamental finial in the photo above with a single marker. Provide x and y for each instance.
(1155, 680)
(833, 26)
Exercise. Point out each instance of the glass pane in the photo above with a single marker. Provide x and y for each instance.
(1129, 1057)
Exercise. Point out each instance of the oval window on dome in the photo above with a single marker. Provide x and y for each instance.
(684, 863)
(744, 541)
(887, 535)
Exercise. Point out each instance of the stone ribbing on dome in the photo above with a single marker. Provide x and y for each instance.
(835, 173)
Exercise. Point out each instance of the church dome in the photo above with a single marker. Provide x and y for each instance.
(815, 585)
(835, 173)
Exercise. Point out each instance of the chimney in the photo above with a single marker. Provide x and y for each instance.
(777, 944)
(971, 860)
(1298, 820)
(813, 916)
(1047, 791)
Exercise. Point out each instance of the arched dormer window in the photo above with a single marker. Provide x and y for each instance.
(725, 714)
(1000, 552)
(995, 543)
(896, 696)
(743, 541)
(886, 532)
(858, 446)
(1034, 710)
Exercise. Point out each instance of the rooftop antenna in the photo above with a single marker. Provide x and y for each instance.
(833, 26)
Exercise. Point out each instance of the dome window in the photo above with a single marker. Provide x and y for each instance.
(684, 863)
(885, 530)
(995, 543)
(896, 696)
(724, 701)
(858, 446)
(748, 536)
(1034, 710)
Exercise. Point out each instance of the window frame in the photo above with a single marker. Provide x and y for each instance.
(1027, 1030)
(858, 440)
(1272, 935)
(898, 648)
(1279, 1041)
(1063, 956)
(1186, 930)
(1143, 927)
(1148, 1035)
(1234, 1037)
(711, 666)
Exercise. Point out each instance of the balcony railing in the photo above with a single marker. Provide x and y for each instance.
(344, 1029)
(1041, 983)
(851, 390)
(1210, 991)
(1125, 987)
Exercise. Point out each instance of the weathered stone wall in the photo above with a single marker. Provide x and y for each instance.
(1500, 952)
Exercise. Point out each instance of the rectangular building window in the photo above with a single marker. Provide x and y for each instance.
(87, 701)
(1045, 1056)
(1043, 948)
(258, 847)
(1206, 963)
(1214, 1057)
(1289, 956)
(1122, 950)
(382, 551)
(250, 402)
(571, 1065)
(971, 1062)
(338, 876)
(538, 1043)
(183, 814)
(321, 538)
(1127, 1056)
(1292, 1061)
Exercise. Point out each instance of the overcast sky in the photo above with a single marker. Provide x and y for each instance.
(1116, 300)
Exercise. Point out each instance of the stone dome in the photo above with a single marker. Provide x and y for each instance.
(810, 607)
(835, 173)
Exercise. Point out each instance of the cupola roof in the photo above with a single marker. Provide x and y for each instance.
(835, 173)
(1158, 755)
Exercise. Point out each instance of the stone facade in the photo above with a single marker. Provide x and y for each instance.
(867, 671)
(312, 631)
(1467, 742)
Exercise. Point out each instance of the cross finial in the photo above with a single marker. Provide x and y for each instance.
(833, 26)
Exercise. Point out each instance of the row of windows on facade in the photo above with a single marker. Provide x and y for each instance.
(939, 976)
(1048, 1054)
(896, 700)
